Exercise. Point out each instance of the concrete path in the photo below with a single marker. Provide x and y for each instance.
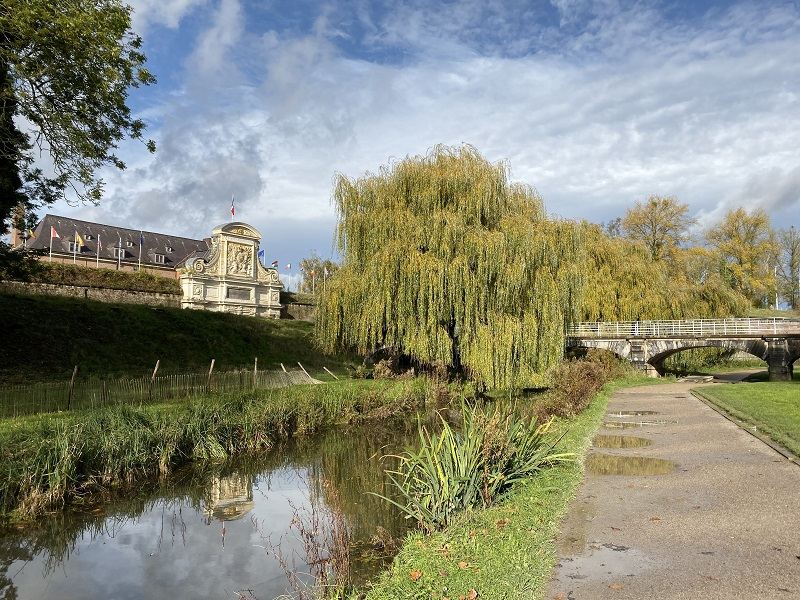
(725, 524)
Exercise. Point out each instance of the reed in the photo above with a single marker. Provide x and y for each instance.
(456, 471)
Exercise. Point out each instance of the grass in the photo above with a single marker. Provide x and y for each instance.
(48, 460)
(508, 550)
(47, 336)
(772, 407)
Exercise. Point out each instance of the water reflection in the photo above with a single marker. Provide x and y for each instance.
(611, 464)
(193, 534)
(620, 441)
(630, 424)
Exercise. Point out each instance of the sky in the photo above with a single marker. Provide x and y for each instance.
(596, 104)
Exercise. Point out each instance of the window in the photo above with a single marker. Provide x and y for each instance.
(87, 237)
(74, 247)
(119, 252)
(168, 249)
(158, 259)
(129, 244)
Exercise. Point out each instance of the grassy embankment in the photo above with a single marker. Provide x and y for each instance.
(772, 407)
(52, 459)
(508, 550)
(45, 337)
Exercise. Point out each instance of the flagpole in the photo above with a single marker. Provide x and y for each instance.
(140, 249)
(50, 259)
(97, 262)
(75, 247)
(119, 253)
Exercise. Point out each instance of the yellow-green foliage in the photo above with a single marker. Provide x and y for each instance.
(447, 260)
(625, 283)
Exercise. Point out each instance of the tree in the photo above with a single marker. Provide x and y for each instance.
(65, 71)
(661, 224)
(448, 262)
(788, 246)
(316, 271)
(625, 283)
(743, 242)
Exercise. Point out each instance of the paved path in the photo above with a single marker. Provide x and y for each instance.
(725, 524)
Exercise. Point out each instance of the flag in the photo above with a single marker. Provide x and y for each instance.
(261, 256)
(141, 239)
(233, 211)
(289, 266)
(79, 239)
(31, 234)
(99, 243)
(274, 263)
(54, 233)
(326, 272)
(312, 273)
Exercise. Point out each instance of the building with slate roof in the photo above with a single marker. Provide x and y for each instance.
(108, 247)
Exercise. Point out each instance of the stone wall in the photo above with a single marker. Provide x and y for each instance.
(301, 312)
(99, 294)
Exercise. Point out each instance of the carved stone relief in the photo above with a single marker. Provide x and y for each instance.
(240, 259)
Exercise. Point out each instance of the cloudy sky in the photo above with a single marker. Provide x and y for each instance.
(596, 104)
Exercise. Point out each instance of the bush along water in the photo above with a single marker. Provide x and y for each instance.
(455, 471)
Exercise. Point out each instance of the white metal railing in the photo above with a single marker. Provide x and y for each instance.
(687, 328)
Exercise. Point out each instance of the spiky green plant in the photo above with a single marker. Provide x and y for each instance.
(458, 470)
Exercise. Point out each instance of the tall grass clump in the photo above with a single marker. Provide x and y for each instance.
(471, 468)
(49, 460)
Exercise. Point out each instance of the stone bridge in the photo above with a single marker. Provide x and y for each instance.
(647, 343)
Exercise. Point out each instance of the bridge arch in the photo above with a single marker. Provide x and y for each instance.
(756, 348)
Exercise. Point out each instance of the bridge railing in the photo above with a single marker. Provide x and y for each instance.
(684, 328)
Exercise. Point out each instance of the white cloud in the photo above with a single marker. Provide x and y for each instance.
(595, 117)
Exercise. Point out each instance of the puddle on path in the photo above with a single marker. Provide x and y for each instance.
(632, 413)
(600, 562)
(620, 441)
(610, 464)
(629, 424)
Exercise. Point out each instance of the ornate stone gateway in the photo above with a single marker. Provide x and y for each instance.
(229, 278)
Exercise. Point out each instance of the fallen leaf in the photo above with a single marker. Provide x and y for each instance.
(711, 578)
(615, 529)
(630, 485)
(443, 573)
(414, 575)
(463, 565)
(655, 518)
(558, 597)
(616, 586)
(696, 507)
(539, 551)
(472, 594)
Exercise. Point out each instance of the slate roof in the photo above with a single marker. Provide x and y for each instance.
(174, 249)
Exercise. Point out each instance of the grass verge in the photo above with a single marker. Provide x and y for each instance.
(508, 550)
(772, 407)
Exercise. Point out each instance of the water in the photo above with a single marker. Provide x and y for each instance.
(204, 532)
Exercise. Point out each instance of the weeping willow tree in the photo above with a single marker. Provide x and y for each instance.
(625, 283)
(449, 262)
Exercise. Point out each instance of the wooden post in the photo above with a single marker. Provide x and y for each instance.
(331, 374)
(284, 368)
(71, 386)
(210, 370)
(255, 373)
(304, 371)
(153, 379)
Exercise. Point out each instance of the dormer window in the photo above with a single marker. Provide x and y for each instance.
(169, 249)
(158, 259)
(87, 237)
(74, 247)
(119, 252)
(129, 244)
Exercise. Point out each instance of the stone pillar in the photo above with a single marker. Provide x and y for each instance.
(638, 357)
(779, 365)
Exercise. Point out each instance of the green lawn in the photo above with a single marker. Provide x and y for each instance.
(772, 407)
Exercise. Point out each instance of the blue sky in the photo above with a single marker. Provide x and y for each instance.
(595, 104)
